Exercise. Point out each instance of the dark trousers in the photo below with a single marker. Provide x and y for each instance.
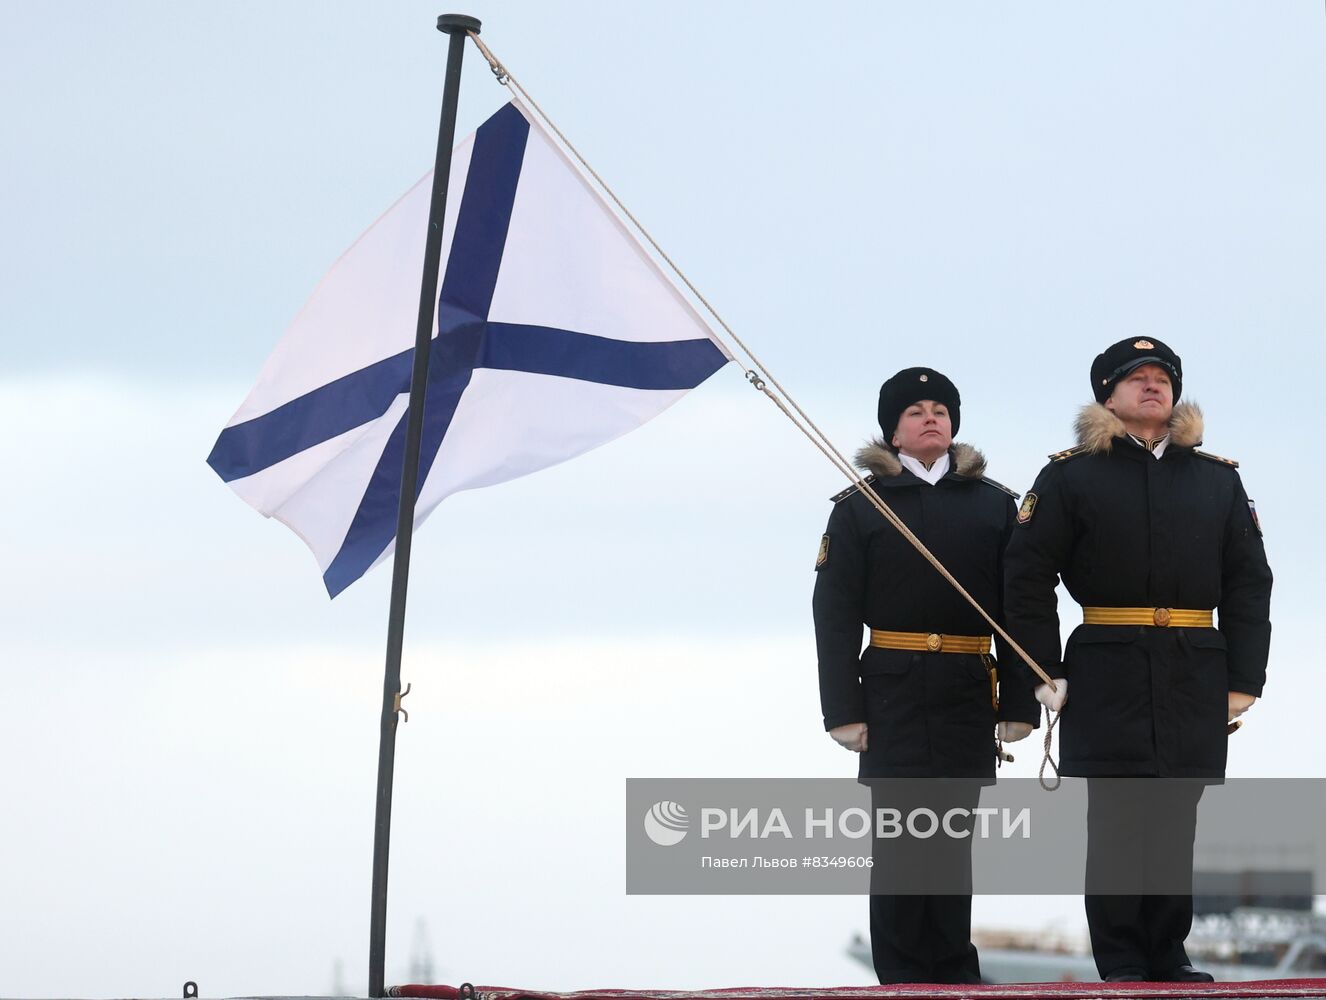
(1140, 834)
(920, 902)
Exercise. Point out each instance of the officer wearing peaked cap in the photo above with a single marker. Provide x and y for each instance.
(917, 702)
(1154, 539)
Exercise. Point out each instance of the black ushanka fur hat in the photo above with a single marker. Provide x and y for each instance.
(911, 385)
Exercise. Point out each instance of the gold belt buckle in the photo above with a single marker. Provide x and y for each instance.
(1161, 617)
(934, 642)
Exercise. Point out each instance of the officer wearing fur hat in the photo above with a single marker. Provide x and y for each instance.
(919, 702)
(1152, 537)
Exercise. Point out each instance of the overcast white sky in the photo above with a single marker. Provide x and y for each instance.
(188, 727)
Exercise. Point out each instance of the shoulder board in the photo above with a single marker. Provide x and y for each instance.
(999, 486)
(1216, 458)
(850, 490)
(1067, 453)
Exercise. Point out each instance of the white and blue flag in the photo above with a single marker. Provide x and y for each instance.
(555, 333)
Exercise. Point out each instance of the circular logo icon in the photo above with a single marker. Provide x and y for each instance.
(666, 823)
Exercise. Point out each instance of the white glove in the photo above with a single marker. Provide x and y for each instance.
(1011, 732)
(1238, 704)
(853, 736)
(1053, 700)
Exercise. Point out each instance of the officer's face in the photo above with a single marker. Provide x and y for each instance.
(1143, 396)
(924, 430)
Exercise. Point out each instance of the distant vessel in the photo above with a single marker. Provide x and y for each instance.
(1249, 943)
(1247, 926)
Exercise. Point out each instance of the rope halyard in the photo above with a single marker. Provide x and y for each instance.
(759, 376)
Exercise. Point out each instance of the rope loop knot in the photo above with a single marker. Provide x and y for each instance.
(1047, 760)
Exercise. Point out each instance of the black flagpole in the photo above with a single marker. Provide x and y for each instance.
(457, 26)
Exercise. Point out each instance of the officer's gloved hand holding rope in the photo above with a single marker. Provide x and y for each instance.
(1054, 701)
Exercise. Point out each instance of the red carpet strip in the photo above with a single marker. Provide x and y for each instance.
(1004, 991)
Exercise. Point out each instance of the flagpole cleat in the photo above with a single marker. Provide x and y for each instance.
(399, 696)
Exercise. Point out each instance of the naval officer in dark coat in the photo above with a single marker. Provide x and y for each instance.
(919, 701)
(1151, 536)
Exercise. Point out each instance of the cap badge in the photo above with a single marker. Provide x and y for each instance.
(925, 378)
(1144, 345)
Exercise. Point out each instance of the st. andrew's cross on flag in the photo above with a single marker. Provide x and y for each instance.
(556, 332)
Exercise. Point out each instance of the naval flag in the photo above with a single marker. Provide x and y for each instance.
(555, 333)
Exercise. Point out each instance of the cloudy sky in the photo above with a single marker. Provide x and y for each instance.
(188, 727)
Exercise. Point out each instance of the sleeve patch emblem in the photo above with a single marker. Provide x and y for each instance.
(823, 556)
(1252, 509)
(1027, 509)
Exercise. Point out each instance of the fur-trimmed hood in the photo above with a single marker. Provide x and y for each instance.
(1097, 427)
(881, 458)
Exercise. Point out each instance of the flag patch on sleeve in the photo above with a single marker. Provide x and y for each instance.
(823, 556)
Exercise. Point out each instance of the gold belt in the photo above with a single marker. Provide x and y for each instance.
(933, 642)
(1163, 617)
(929, 642)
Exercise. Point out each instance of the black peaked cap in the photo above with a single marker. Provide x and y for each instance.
(1131, 353)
